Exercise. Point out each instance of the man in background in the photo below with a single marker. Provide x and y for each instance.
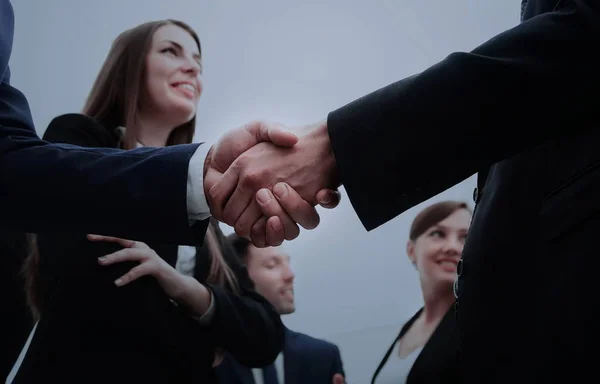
(304, 359)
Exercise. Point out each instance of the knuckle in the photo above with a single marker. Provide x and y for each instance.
(241, 228)
(258, 229)
(254, 179)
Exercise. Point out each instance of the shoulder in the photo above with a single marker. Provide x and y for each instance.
(313, 342)
(79, 129)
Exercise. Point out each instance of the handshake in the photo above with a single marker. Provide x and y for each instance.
(264, 180)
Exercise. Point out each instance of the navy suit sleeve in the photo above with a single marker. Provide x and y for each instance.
(337, 365)
(424, 134)
(50, 187)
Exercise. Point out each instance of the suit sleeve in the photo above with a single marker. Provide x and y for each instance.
(247, 326)
(337, 366)
(406, 142)
(45, 187)
(86, 186)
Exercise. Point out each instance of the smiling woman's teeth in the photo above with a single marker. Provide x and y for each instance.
(187, 86)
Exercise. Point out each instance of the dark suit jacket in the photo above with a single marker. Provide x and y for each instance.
(306, 361)
(438, 361)
(92, 331)
(85, 188)
(517, 109)
(17, 318)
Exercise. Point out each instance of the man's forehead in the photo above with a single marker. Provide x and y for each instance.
(269, 253)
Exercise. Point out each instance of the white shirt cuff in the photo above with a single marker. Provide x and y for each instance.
(197, 205)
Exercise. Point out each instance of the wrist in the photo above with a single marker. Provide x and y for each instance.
(193, 296)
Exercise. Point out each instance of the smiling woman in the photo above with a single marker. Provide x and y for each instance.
(425, 349)
(116, 310)
(155, 98)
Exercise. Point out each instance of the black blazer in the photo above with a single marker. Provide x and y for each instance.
(16, 315)
(438, 361)
(520, 111)
(92, 331)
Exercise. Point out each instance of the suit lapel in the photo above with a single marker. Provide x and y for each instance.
(291, 358)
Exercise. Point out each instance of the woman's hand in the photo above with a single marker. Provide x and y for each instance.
(184, 290)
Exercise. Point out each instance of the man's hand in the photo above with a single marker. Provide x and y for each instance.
(227, 150)
(252, 186)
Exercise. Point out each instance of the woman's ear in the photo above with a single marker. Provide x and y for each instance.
(410, 251)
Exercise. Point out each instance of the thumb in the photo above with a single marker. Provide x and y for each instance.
(274, 132)
(235, 142)
(338, 378)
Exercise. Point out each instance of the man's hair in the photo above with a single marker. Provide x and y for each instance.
(241, 246)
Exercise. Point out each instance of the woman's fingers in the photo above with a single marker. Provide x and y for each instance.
(126, 254)
(135, 273)
(122, 242)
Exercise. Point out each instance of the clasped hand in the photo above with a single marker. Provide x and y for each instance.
(265, 180)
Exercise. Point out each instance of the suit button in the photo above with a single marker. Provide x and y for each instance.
(459, 267)
(475, 194)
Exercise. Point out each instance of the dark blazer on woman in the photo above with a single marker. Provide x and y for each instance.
(92, 331)
(439, 358)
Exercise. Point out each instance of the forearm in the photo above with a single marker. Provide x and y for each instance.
(424, 134)
(195, 297)
(78, 188)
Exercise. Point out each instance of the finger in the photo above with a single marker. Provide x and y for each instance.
(299, 210)
(219, 193)
(328, 198)
(338, 378)
(127, 254)
(122, 242)
(258, 233)
(237, 204)
(275, 231)
(243, 226)
(273, 132)
(270, 207)
(134, 274)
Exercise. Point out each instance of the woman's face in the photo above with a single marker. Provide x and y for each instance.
(173, 70)
(436, 252)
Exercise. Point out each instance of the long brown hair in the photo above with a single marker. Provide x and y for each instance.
(114, 101)
(116, 94)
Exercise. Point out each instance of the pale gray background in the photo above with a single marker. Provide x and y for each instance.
(294, 62)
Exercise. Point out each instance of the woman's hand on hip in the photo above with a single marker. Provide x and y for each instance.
(177, 286)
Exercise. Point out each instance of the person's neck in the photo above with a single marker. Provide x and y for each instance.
(153, 132)
(437, 302)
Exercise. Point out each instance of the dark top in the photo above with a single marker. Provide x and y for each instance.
(92, 331)
(438, 361)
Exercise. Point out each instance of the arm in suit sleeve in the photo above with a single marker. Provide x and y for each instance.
(406, 142)
(87, 186)
(247, 326)
(87, 189)
(337, 366)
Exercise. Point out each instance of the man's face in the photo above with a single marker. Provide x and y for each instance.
(270, 270)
